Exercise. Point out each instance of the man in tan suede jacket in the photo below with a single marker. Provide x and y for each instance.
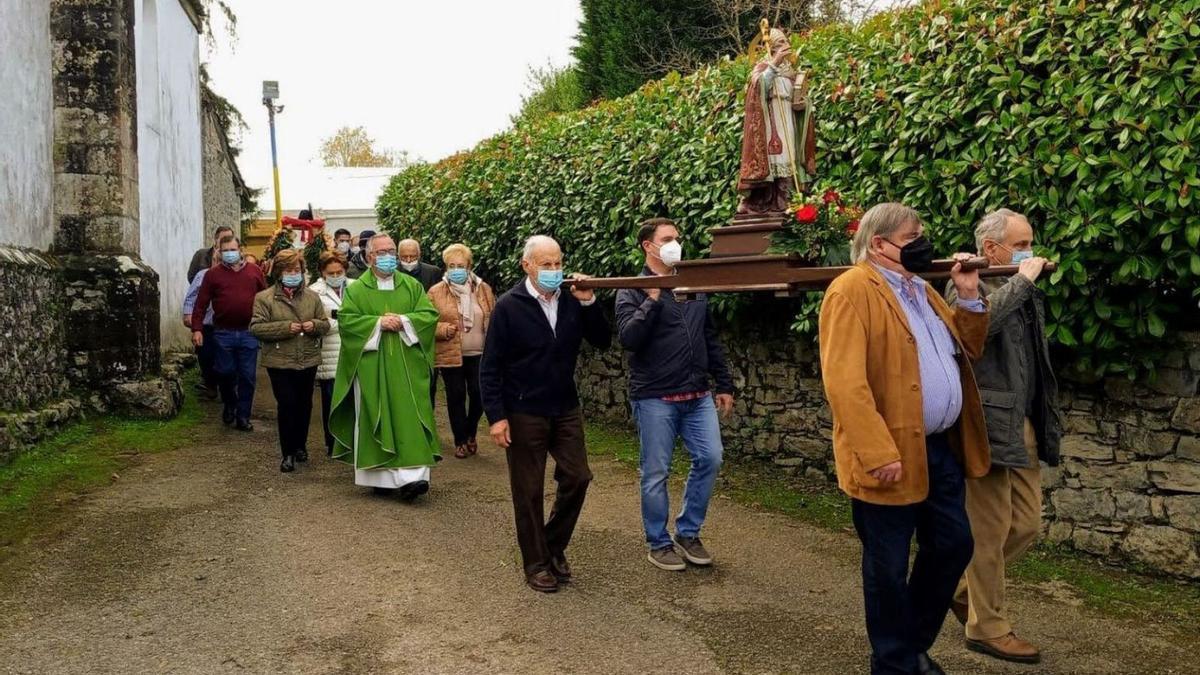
(907, 426)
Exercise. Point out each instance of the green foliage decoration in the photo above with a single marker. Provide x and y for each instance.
(1083, 115)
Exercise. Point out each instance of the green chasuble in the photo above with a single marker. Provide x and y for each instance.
(395, 425)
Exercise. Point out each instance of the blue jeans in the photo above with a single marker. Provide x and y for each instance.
(905, 610)
(236, 365)
(659, 424)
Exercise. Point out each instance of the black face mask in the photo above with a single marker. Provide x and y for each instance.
(916, 256)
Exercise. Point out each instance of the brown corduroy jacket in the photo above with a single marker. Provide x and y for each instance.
(448, 348)
(872, 381)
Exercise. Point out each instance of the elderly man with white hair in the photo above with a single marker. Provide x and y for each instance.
(1018, 388)
(527, 379)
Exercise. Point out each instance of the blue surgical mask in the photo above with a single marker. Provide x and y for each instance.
(335, 282)
(231, 257)
(550, 280)
(292, 280)
(1018, 256)
(457, 276)
(385, 263)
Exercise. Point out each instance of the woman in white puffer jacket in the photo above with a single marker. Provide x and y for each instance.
(330, 288)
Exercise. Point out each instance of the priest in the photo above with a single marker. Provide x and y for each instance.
(381, 417)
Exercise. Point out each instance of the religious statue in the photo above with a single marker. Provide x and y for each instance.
(779, 145)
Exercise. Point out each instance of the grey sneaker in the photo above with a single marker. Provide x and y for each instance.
(666, 559)
(693, 550)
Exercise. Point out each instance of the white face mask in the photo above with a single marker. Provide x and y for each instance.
(670, 253)
(343, 247)
(410, 266)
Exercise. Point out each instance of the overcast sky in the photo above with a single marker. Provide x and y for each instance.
(428, 77)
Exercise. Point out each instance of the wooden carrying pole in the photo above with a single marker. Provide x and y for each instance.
(731, 275)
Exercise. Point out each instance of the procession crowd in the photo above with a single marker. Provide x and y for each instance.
(943, 404)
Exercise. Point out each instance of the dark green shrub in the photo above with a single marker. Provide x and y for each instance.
(1082, 115)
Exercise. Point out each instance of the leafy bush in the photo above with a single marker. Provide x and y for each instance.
(1082, 115)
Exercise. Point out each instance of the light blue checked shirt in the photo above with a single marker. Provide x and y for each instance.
(941, 388)
(189, 300)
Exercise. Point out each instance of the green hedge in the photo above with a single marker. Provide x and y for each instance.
(1081, 114)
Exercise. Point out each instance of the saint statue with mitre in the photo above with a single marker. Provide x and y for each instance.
(779, 145)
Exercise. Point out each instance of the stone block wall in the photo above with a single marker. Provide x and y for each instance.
(1129, 484)
(1128, 487)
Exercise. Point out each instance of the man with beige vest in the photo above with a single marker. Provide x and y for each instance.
(907, 426)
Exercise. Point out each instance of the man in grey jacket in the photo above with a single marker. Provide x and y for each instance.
(1019, 392)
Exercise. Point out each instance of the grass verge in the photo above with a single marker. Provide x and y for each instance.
(1117, 591)
(81, 456)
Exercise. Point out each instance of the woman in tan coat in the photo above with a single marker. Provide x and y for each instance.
(289, 319)
(465, 303)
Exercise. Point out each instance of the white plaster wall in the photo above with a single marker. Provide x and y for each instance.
(26, 124)
(170, 154)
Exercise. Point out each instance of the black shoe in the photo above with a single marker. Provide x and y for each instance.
(560, 568)
(380, 492)
(301, 455)
(410, 491)
(927, 666)
(227, 416)
(288, 465)
(244, 425)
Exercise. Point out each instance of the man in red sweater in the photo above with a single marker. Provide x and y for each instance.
(231, 287)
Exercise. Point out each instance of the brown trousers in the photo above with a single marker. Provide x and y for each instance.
(1005, 508)
(533, 438)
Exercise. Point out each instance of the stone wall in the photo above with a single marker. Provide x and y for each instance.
(222, 205)
(1128, 487)
(33, 354)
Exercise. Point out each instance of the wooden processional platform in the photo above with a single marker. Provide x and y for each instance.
(738, 262)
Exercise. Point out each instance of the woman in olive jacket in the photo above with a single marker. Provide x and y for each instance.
(289, 320)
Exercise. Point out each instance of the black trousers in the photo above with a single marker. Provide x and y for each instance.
(326, 403)
(533, 438)
(293, 391)
(905, 610)
(462, 384)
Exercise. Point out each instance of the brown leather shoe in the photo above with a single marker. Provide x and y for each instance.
(960, 611)
(543, 582)
(1006, 648)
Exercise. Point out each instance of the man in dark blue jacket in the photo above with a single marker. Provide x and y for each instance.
(527, 379)
(674, 355)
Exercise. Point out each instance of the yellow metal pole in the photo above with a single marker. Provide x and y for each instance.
(275, 166)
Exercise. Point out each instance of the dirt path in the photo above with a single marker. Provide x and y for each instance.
(209, 560)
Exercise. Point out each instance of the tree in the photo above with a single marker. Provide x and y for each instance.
(351, 146)
(551, 90)
(623, 44)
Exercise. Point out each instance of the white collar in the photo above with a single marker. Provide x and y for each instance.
(536, 293)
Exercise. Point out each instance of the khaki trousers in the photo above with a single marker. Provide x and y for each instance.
(1005, 508)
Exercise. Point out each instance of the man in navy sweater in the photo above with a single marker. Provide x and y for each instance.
(527, 378)
(675, 359)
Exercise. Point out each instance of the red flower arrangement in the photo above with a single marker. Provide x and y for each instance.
(819, 229)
